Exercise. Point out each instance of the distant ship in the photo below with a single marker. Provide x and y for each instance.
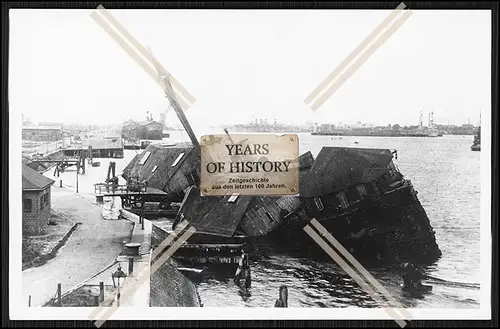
(432, 132)
(476, 144)
(140, 130)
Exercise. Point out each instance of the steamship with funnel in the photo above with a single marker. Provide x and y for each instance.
(358, 194)
(139, 134)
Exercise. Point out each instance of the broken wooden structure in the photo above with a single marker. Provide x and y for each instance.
(106, 147)
(362, 199)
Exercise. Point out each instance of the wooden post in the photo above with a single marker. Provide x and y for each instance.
(142, 216)
(118, 295)
(77, 172)
(130, 266)
(59, 300)
(109, 172)
(60, 183)
(101, 292)
(29, 301)
(82, 160)
(96, 298)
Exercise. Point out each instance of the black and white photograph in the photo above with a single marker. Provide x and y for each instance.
(113, 114)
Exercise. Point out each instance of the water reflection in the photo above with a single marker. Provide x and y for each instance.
(245, 294)
(310, 284)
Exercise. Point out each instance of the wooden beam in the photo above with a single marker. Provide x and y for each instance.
(170, 94)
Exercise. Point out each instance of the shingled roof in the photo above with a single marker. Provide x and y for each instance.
(217, 215)
(157, 164)
(33, 180)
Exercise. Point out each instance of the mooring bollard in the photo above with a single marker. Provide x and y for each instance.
(282, 301)
(101, 292)
(59, 300)
(130, 266)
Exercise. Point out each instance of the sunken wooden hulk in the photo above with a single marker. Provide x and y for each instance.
(357, 194)
(363, 200)
(137, 130)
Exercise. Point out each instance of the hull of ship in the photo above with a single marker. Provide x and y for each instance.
(394, 231)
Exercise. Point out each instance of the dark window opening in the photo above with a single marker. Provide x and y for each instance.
(370, 189)
(361, 190)
(27, 205)
(319, 203)
(352, 194)
(343, 200)
(269, 217)
(193, 178)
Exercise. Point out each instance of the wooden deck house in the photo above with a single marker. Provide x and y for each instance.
(171, 169)
(341, 177)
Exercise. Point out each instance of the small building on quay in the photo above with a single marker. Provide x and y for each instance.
(42, 133)
(36, 200)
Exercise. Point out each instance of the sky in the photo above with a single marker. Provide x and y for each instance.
(247, 64)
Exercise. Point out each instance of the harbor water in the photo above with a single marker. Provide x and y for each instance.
(446, 174)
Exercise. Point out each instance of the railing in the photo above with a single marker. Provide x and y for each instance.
(103, 188)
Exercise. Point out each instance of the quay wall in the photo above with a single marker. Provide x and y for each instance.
(170, 288)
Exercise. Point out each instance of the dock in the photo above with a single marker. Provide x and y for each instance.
(129, 193)
(103, 189)
(100, 147)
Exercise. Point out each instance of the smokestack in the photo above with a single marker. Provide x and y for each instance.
(162, 118)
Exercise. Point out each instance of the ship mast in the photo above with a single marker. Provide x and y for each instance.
(169, 93)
